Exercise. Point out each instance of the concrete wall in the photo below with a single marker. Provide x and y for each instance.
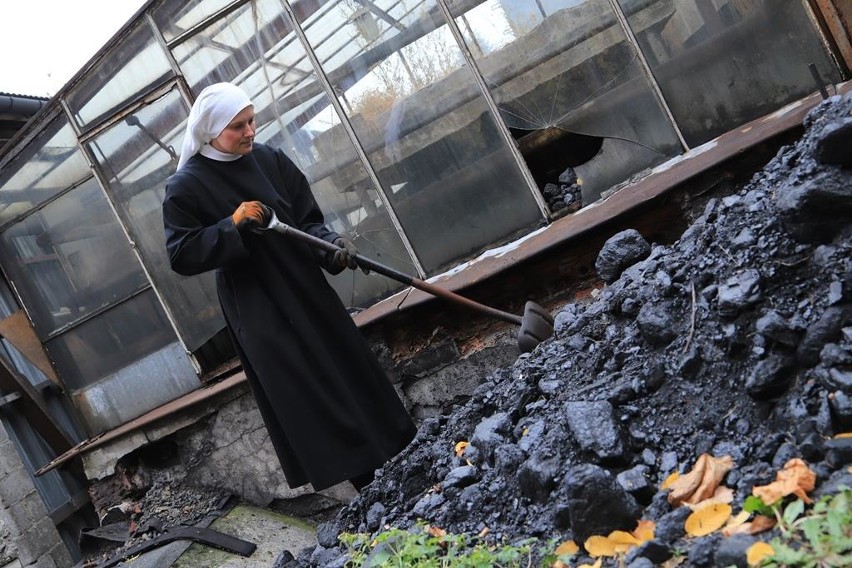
(27, 535)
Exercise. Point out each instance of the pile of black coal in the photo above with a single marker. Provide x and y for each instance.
(565, 196)
(734, 341)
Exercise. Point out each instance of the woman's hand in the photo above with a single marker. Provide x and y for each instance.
(251, 213)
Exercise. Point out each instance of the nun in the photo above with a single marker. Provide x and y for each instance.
(330, 410)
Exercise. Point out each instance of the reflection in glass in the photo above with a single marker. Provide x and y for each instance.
(134, 64)
(136, 156)
(51, 163)
(570, 87)
(70, 259)
(175, 17)
(723, 63)
(255, 48)
(427, 131)
(119, 337)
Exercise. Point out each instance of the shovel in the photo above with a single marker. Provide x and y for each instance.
(536, 324)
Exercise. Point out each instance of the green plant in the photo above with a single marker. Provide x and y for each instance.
(427, 547)
(819, 537)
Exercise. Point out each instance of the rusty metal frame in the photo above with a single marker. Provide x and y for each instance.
(835, 19)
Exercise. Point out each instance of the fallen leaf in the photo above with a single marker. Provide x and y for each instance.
(597, 564)
(759, 524)
(484, 532)
(701, 482)
(569, 547)
(645, 531)
(844, 435)
(460, 447)
(600, 546)
(721, 495)
(667, 483)
(735, 522)
(796, 478)
(758, 552)
(707, 519)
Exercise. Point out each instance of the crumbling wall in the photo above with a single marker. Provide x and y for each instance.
(27, 534)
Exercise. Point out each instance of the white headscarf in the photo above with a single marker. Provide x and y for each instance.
(214, 108)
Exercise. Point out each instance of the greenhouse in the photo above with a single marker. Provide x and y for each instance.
(431, 132)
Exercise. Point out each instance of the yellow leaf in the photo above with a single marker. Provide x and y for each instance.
(702, 480)
(758, 552)
(599, 546)
(460, 447)
(597, 564)
(622, 540)
(844, 435)
(569, 547)
(735, 522)
(796, 478)
(559, 564)
(707, 519)
(670, 479)
(644, 531)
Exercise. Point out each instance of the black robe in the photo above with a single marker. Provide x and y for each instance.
(330, 410)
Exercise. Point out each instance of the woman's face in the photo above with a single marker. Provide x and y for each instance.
(238, 136)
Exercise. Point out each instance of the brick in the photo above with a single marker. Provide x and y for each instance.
(28, 511)
(37, 541)
(61, 556)
(9, 458)
(14, 486)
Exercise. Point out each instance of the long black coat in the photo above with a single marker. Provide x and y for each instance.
(329, 408)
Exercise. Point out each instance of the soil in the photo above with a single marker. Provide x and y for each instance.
(736, 341)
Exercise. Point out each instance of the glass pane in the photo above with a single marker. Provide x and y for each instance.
(721, 63)
(51, 163)
(571, 89)
(133, 65)
(136, 156)
(427, 131)
(69, 259)
(175, 17)
(111, 341)
(255, 47)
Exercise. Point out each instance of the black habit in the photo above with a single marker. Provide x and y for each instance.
(330, 410)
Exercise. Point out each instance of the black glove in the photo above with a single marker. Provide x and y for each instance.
(344, 257)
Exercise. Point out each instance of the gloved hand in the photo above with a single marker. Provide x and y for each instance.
(344, 257)
(251, 214)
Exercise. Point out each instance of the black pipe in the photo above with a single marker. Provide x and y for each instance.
(20, 105)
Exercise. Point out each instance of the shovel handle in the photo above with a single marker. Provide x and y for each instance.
(395, 274)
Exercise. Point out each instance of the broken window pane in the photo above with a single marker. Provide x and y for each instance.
(571, 89)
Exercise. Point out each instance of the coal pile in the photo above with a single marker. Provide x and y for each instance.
(734, 341)
(565, 196)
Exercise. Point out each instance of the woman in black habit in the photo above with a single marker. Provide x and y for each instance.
(331, 413)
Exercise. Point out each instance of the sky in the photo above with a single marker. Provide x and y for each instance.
(45, 42)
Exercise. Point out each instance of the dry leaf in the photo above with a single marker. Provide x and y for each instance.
(701, 482)
(484, 532)
(600, 546)
(707, 519)
(597, 564)
(843, 435)
(667, 483)
(796, 478)
(645, 531)
(735, 522)
(759, 524)
(435, 531)
(568, 547)
(758, 552)
(460, 447)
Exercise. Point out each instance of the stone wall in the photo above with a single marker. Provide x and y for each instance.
(27, 534)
